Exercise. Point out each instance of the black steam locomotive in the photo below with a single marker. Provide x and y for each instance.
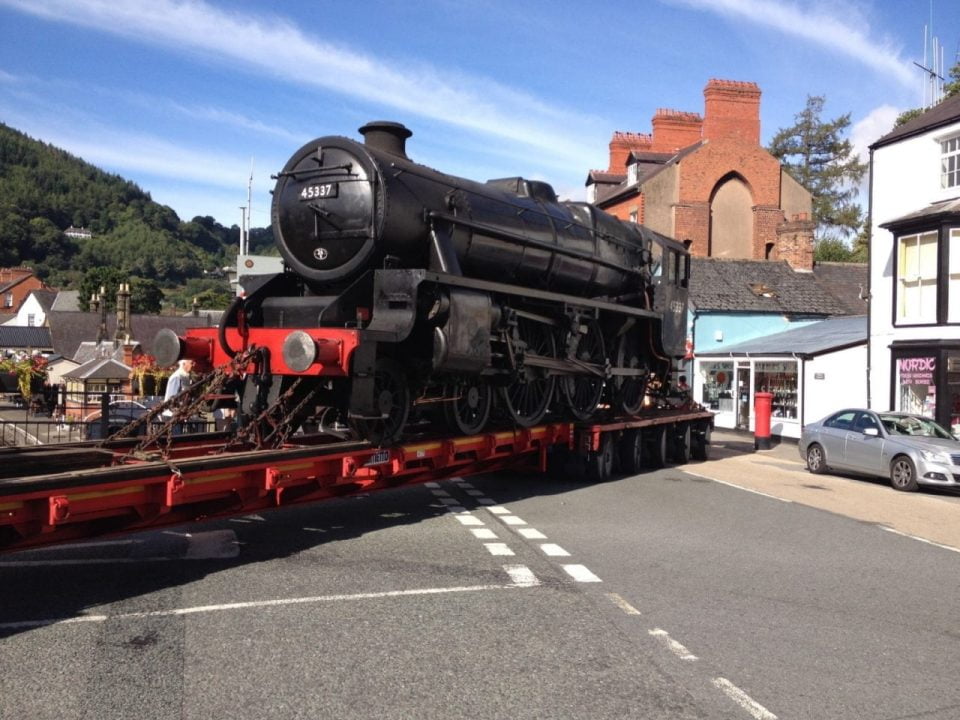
(408, 288)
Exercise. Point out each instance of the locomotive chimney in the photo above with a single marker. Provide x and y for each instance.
(387, 136)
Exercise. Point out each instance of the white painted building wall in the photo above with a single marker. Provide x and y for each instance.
(831, 382)
(906, 178)
(30, 306)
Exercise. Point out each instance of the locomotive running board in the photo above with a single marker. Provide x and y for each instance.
(532, 293)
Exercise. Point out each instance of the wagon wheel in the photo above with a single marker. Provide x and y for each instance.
(469, 409)
(629, 390)
(527, 398)
(583, 392)
(392, 393)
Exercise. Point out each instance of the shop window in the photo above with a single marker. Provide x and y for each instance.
(953, 390)
(953, 278)
(716, 391)
(780, 379)
(917, 278)
(916, 385)
(950, 163)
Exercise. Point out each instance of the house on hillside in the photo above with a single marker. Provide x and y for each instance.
(708, 181)
(914, 348)
(15, 285)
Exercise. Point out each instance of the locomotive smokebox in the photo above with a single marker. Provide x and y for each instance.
(387, 136)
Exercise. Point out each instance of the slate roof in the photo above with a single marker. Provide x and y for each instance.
(45, 298)
(847, 282)
(99, 369)
(650, 165)
(69, 329)
(722, 285)
(933, 211)
(67, 300)
(35, 338)
(943, 113)
(831, 334)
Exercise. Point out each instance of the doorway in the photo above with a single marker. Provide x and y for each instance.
(743, 397)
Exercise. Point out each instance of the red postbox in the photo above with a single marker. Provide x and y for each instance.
(762, 406)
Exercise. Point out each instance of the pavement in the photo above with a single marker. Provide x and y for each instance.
(932, 515)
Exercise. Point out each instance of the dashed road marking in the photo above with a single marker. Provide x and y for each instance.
(512, 520)
(456, 509)
(432, 484)
(499, 548)
(580, 573)
(756, 710)
(623, 604)
(448, 501)
(486, 501)
(521, 575)
(498, 510)
(484, 534)
(554, 550)
(312, 529)
(531, 533)
(468, 520)
(440, 493)
(676, 648)
(475, 493)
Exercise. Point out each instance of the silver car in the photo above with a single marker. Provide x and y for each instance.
(911, 450)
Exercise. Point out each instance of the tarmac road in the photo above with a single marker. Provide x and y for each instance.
(740, 587)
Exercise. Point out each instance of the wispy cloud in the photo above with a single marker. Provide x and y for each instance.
(6, 77)
(822, 25)
(274, 46)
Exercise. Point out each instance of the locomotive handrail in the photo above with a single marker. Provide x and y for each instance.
(530, 242)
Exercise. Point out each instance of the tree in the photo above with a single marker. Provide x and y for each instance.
(145, 296)
(102, 281)
(815, 153)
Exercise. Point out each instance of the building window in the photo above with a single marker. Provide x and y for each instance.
(8, 300)
(633, 216)
(31, 319)
(717, 385)
(950, 163)
(953, 277)
(916, 385)
(780, 379)
(592, 193)
(632, 174)
(917, 278)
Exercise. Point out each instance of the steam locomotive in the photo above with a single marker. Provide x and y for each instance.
(406, 288)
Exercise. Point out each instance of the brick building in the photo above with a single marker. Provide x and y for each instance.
(15, 285)
(707, 180)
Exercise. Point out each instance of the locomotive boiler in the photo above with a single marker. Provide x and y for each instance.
(407, 290)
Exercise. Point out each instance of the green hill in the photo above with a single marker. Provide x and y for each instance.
(44, 190)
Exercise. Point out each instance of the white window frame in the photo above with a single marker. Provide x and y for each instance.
(916, 279)
(950, 162)
(632, 174)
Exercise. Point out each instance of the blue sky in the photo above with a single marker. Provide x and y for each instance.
(180, 96)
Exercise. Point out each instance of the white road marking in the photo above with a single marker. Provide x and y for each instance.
(512, 520)
(456, 509)
(738, 487)
(317, 599)
(554, 550)
(440, 493)
(259, 518)
(623, 604)
(920, 539)
(240, 520)
(499, 548)
(484, 534)
(580, 573)
(432, 484)
(475, 493)
(449, 501)
(463, 484)
(498, 510)
(531, 533)
(676, 648)
(521, 575)
(755, 709)
(469, 520)
(310, 529)
(486, 501)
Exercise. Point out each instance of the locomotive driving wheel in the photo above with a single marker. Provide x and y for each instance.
(527, 398)
(629, 390)
(583, 392)
(392, 393)
(469, 409)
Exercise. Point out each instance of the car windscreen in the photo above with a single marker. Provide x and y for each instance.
(915, 426)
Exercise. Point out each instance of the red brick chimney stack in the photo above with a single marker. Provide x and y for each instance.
(622, 144)
(732, 111)
(674, 129)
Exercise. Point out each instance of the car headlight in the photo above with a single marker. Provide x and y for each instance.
(936, 456)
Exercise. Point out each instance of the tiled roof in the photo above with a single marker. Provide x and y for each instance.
(99, 369)
(45, 298)
(847, 282)
(645, 172)
(67, 300)
(27, 338)
(830, 334)
(69, 329)
(722, 285)
(944, 113)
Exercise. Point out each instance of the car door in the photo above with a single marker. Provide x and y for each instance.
(864, 453)
(833, 436)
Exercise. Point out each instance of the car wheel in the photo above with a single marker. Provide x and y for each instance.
(903, 474)
(816, 463)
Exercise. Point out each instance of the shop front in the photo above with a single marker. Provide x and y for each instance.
(727, 387)
(925, 380)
